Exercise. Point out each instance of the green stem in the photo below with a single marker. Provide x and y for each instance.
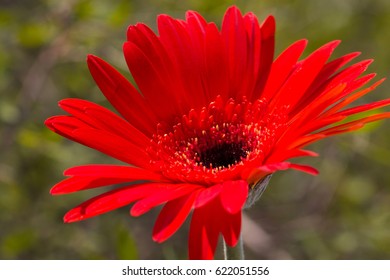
(234, 253)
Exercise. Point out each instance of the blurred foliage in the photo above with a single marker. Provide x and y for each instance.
(344, 213)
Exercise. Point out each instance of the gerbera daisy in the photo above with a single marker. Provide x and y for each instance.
(213, 117)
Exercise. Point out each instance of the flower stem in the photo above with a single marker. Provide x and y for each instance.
(234, 253)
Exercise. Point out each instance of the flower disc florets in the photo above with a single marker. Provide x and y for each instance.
(217, 142)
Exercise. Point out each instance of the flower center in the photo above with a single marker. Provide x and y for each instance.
(216, 143)
(223, 155)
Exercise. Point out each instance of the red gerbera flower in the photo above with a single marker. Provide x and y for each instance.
(214, 116)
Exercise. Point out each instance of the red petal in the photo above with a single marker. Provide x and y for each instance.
(204, 232)
(175, 74)
(273, 167)
(103, 141)
(305, 140)
(349, 74)
(366, 107)
(215, 77)
(169, 192)
(207, 223)
(282, 68)
(143, 37)
(187, 57)
(304, 120)
(149, 80)
(75, 184)
(304, 168)
(323, 82)
(231, 229)
(93, 176)
(172, 216)
(109, 201)
(196, 25)
(282, 155)
(264, 170)
(354, 125)
(121, 93)
(111, 171)
(234, 34)
(303, 75)
(253, 31)
(252, 175)
(266, 55)
(207, 194)
(352, 98)
(112, 145)
(358, 83)
(99, 117)
(234, 195)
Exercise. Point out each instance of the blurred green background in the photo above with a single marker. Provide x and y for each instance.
(344, 213)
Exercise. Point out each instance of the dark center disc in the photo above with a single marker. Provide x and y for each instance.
(223, 155)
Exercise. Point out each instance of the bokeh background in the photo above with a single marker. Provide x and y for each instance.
(344, 213)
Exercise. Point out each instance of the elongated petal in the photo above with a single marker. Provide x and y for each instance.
(196, 25)
(324, 81)
(234, 195)
(93, 176)
(75, 184)
(216, 79)
(272, 167)
(352, 98)
(103, 141)
(366, 107)
(303, 75)
(109, 201)
(207, 194)
(282, 68)
(204, 231)
(353, 125)
(113, 145)
(149, 80)
(188, 60)
(266, 54)
(231, 230)
(283, 155)
(304, 168)
(254, 42)
(121, 93)
(172, 216)
(170, 192)
(234, 34)
(99, 117)
(257, 174)
(208, 222)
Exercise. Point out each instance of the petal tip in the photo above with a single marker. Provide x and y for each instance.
(70, 217)
(53, 191)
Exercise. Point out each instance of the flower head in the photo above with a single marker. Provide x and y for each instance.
(214, 116)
